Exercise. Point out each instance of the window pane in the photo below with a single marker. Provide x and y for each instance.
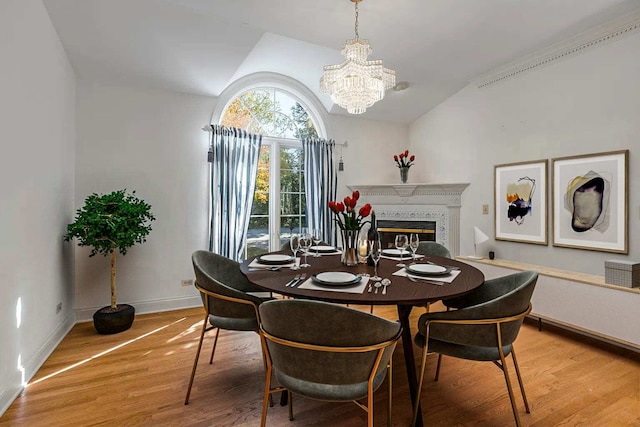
(258, 232)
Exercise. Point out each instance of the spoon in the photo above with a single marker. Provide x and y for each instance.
(377, 286)
(385, 283)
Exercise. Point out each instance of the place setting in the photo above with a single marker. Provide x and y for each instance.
(401, 251)
(429, 273)
(321, 250)
(274, 262)
(336, 281)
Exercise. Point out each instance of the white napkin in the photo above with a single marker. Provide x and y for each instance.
(256, 264)
(446, 278)
(355, 289)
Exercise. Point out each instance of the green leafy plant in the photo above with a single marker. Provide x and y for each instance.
(110, 222)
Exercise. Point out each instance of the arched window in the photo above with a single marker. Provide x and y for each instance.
(279, 200)
(270, 112)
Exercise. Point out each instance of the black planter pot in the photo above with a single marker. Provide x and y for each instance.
(109, 321)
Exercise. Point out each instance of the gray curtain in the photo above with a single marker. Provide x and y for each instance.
(321, 183)
(234, 155)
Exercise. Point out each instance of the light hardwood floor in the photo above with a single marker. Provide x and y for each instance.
(139, 377)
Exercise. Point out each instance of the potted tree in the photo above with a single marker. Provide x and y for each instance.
(109, 223)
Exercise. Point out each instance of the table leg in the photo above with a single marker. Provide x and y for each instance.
(409, 360)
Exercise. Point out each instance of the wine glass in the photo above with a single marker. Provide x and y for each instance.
(305, 244)
(401, 243)
(414, 242)
(316, 236)
(294, 243)
(375, 251)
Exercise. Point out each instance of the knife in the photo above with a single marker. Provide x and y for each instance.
(297, 281)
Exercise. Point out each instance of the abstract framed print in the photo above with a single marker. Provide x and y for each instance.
(520, 200)
(590, 201)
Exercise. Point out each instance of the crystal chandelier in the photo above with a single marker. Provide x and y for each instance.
(357, 83)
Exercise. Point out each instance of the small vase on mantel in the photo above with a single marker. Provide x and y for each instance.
(404, 175)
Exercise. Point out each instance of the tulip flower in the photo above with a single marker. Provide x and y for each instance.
(345, 212)
(403, 160)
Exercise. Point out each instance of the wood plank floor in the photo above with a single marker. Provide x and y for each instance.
(139, 378)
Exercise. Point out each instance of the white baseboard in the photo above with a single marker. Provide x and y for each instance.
(142, 307)
(32, 365)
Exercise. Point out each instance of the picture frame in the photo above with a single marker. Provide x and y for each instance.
(590, 201)
(520, 202)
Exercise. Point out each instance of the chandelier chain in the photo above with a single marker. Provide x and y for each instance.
(357, 36)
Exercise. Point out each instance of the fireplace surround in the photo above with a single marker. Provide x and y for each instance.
(439, 203)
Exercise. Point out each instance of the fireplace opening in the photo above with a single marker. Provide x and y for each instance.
(387, 229)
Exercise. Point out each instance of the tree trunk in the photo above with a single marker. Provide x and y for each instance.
(113, 279)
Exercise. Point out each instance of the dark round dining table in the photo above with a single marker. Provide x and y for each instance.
(403, 293)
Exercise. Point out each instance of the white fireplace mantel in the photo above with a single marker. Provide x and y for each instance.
(419, 202)
(429, 194)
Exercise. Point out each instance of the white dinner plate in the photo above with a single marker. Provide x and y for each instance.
(336, 278)
(396, 252)
(428, 269)
(275, 259)
(322, 248)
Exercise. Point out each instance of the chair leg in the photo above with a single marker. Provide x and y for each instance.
(524, 396)
(195, 362)
(215, 342)
(438, 367)
(370, 406)
(509, 388)
(390, 375)
(290, 396)
(267, 394)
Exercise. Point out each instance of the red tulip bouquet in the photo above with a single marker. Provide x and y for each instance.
(350, 224)
(345, 212)
(403, 160)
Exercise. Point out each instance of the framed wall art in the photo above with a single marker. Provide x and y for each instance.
(590, 201)
(520, 200)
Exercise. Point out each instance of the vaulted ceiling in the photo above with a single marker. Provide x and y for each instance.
(202, 46)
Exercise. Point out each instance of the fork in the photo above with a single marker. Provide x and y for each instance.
(300, 280)
(292, 281)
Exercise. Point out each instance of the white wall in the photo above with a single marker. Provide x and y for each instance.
(37, 133)
(586, 103)
(151, 141)
(368, 157)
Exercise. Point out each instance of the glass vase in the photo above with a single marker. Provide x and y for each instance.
(404, 175)
(349, 247)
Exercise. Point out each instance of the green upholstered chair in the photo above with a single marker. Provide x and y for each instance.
(227, 297)
(311, 352)
(483, 328)
(433, 248)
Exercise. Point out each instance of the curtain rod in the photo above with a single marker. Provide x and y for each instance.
(207, 128)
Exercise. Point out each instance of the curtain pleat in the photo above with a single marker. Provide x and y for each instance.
(321, 183)
(234, 155)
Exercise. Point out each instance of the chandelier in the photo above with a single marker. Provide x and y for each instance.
(356, 84)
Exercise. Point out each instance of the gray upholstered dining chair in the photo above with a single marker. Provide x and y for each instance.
(483, 328)
(228, 302)
(311, 352)
(433, 248)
